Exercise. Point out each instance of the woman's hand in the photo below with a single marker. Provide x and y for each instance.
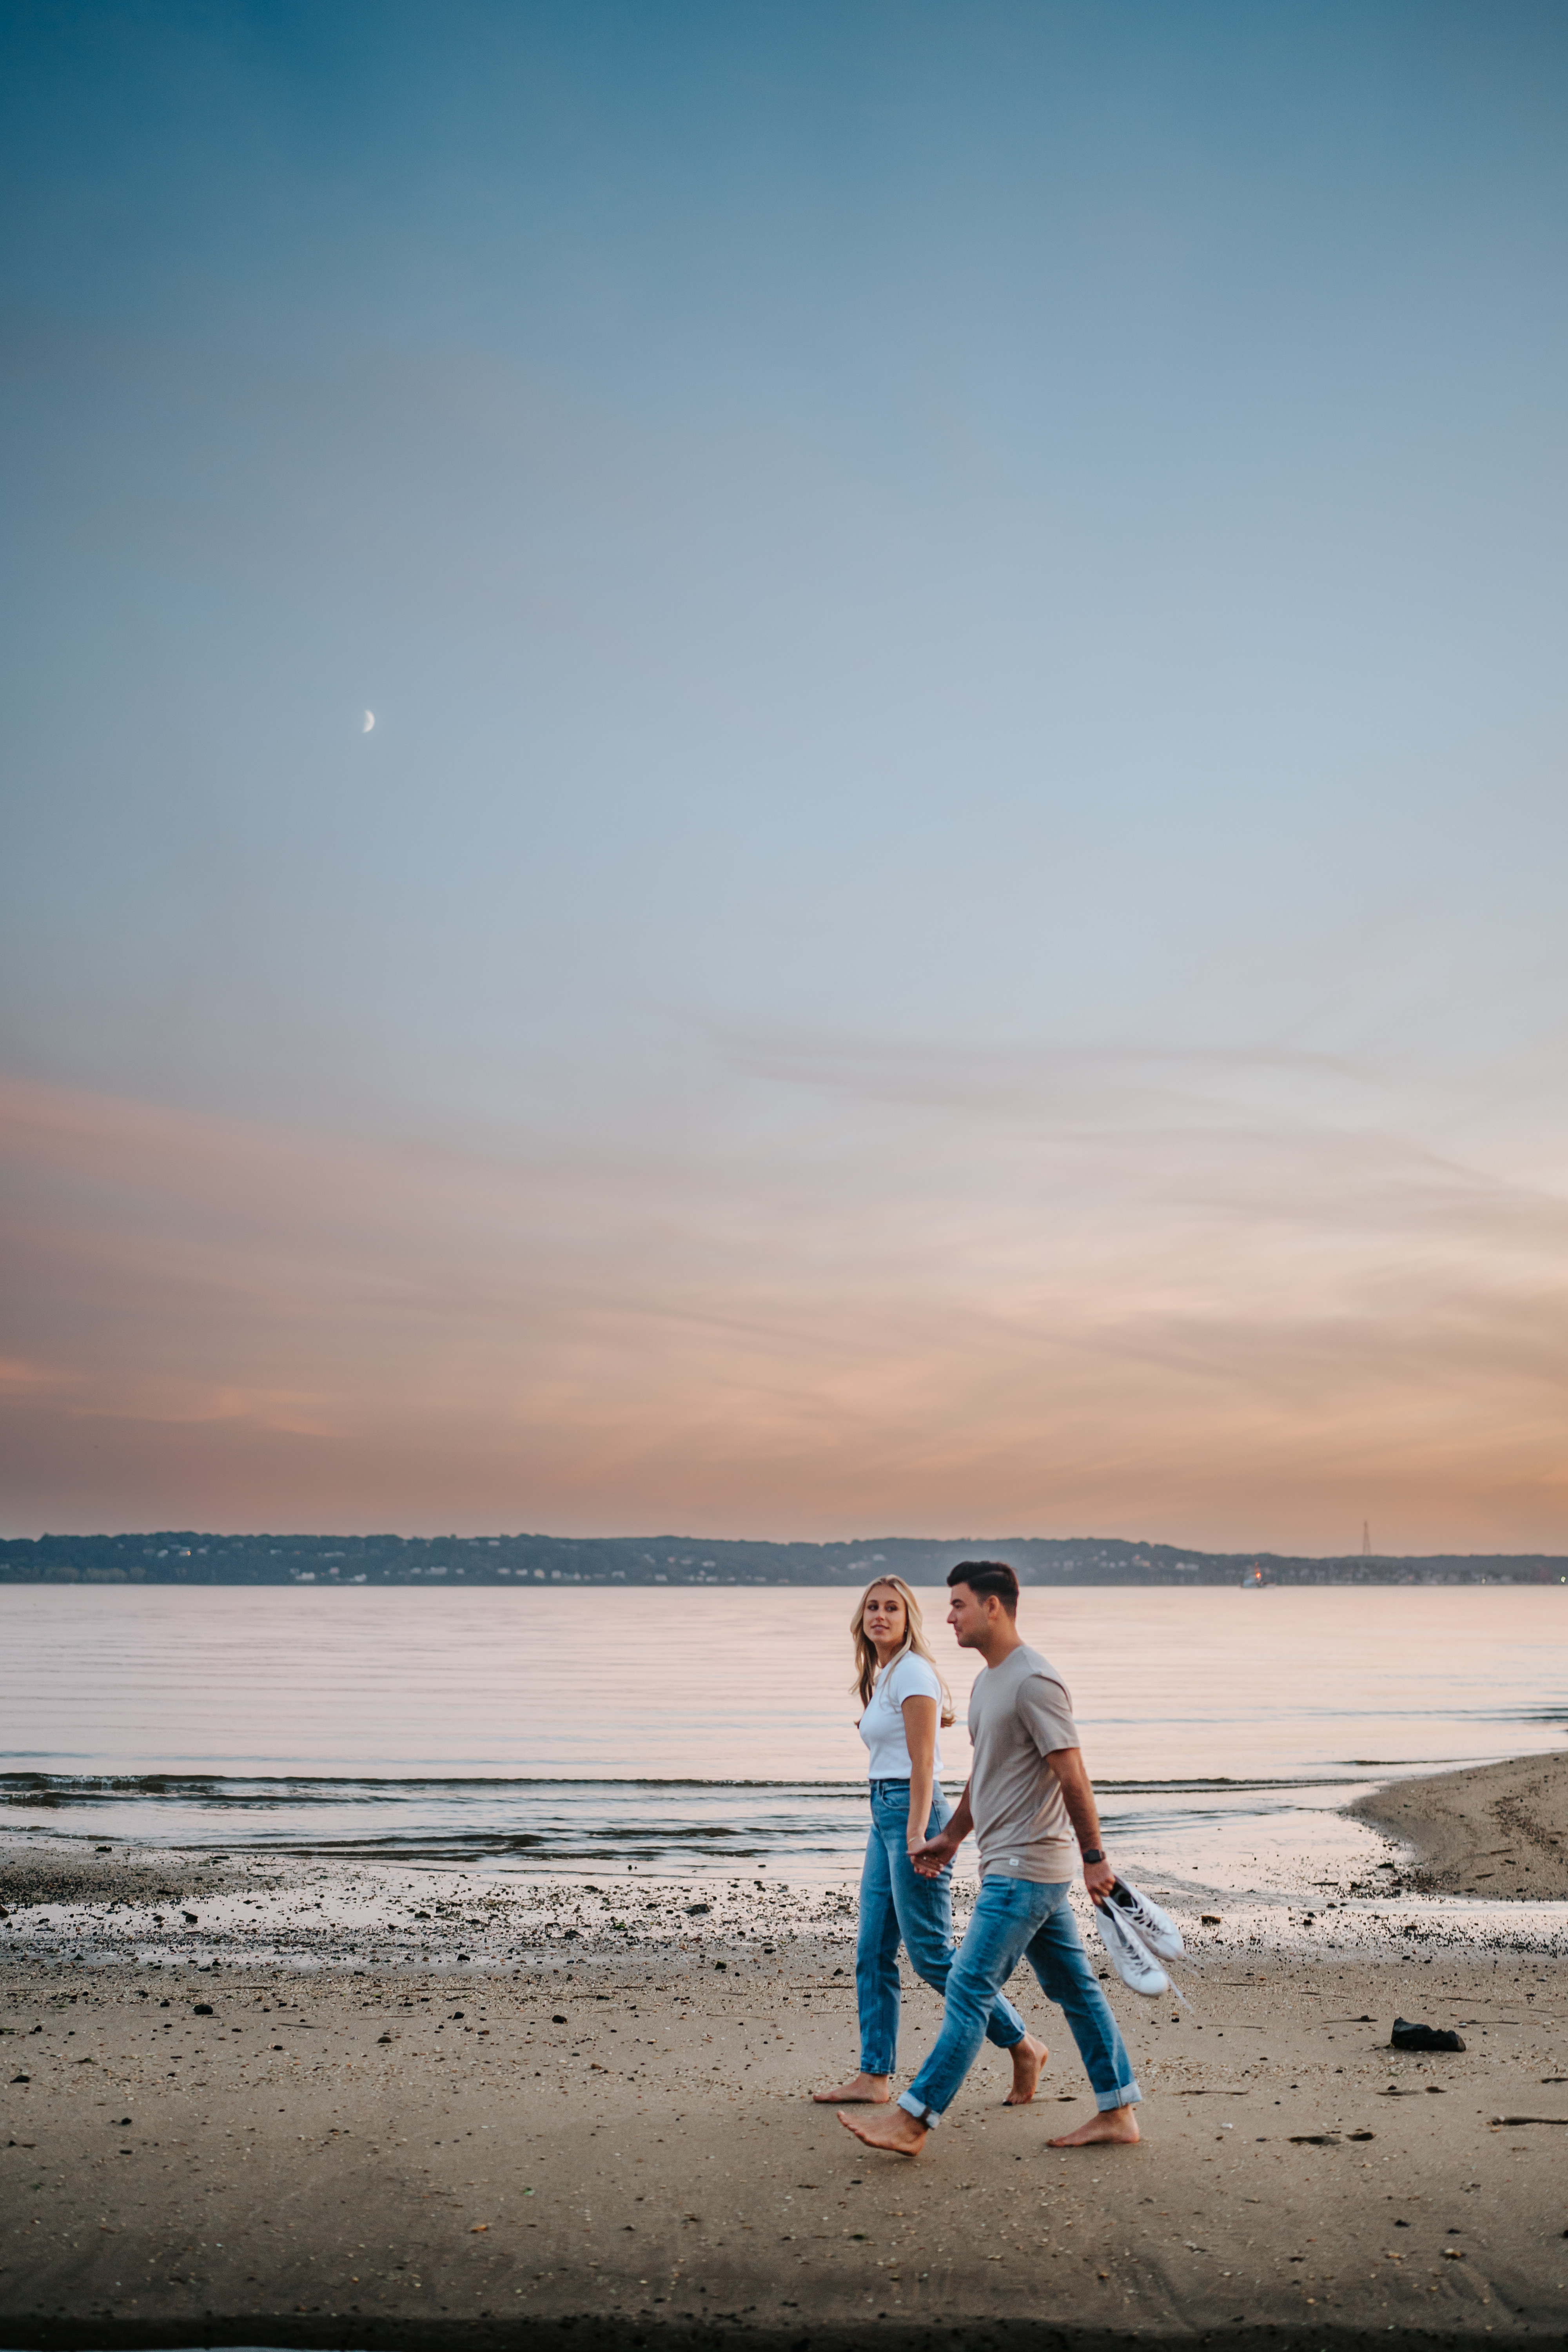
(930, 1857)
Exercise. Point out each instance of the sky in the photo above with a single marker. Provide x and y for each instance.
(952, 920)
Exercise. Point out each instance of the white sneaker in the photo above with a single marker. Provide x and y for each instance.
(1148, 1922)
(1134, 1961)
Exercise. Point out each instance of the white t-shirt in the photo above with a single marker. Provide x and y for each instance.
(882, 1725)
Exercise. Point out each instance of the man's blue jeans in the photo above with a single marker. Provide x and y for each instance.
(1014, 1919)
(897, 1906)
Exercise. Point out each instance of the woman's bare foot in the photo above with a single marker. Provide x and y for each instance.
(860, 2090)
(1028, 2056)
(1118, 2126)
(901, 2134)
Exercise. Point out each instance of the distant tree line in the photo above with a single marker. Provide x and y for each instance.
(186, 1557)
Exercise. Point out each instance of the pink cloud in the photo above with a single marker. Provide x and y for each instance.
(1152, 1307)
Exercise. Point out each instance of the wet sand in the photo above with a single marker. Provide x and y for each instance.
(621, 2148)
(1501, 1830)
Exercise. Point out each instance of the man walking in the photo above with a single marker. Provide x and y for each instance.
(1028, 1795)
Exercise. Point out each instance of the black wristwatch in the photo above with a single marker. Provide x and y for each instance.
(1092, 1853)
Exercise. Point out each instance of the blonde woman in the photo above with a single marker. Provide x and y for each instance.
(902, 1699)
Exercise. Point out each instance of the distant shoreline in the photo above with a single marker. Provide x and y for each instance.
(191, 1558)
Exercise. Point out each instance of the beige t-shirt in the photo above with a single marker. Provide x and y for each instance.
(1019, 1712)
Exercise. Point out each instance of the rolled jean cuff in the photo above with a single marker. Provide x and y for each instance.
(1129, 2096)
(919, 2109)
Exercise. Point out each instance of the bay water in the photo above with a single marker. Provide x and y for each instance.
(682, 1732)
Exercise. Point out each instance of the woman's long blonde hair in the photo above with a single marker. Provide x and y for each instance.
(865, 1669)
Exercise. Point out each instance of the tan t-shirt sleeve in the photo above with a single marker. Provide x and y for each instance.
(1045, 1713)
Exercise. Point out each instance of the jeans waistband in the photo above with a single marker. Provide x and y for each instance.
(885, 1788)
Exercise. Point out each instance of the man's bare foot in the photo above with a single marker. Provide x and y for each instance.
(1028, 2056)
(1118, 2126)
(899, 2133)
(860, 2090)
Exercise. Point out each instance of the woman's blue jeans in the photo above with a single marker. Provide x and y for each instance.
(898, 1907)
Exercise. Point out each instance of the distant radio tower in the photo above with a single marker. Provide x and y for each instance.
(1366, 1539)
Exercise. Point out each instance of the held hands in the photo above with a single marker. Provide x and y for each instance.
(930, 1857)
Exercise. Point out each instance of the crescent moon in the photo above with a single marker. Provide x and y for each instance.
(369, 722)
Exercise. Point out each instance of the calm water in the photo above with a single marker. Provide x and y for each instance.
(679, 1730)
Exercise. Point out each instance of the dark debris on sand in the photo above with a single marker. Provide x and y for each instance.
(28, 1880)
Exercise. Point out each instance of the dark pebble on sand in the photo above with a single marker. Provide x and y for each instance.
(1406, 2036)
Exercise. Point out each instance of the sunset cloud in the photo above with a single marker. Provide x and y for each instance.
(1126, 1302)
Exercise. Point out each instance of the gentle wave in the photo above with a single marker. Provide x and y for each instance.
(32, 1788)
(678, 1826)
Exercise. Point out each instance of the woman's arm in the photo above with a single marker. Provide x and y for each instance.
(919, 1735)
(931, 1857)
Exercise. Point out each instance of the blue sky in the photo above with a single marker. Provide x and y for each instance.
(951, 919)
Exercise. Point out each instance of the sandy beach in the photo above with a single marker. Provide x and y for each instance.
(608, 2135)
(1499, 1829)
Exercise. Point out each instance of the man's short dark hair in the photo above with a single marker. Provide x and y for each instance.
(990, 1579)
